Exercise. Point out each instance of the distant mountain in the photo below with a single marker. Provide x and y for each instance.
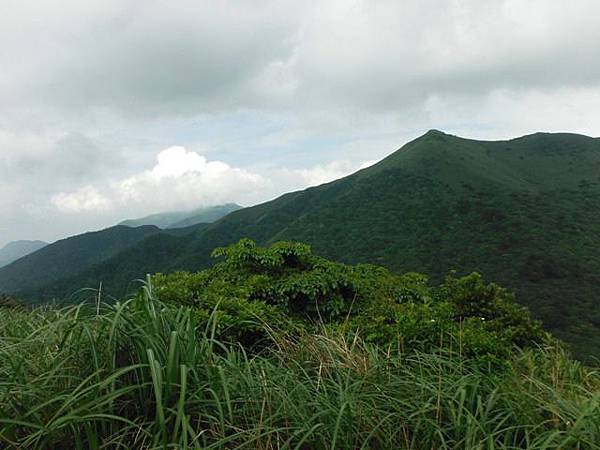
(124, 270)
(160, 220)
(183, 219)
(69, 257)
(523, 212)
(17, 249)
(206, 215)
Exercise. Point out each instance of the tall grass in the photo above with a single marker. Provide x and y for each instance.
(143, 375)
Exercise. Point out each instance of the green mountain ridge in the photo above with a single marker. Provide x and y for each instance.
(523, 212)
(67, 257)
(149, 255)
(74, 255)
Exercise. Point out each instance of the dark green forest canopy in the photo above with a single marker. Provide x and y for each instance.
(522, 212)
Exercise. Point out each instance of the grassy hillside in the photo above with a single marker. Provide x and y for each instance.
(17, 249)
(523, 212)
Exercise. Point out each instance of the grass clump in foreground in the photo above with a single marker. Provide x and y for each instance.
(140, 375)
(151, 373)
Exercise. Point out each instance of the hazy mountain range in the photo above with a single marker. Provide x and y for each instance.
(523, 212)
(17, 249)
(182, 219)
(35, 264)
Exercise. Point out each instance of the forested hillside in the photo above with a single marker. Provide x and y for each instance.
(523, 212)
(69, 257)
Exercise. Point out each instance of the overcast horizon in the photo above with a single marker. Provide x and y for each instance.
(118, 109)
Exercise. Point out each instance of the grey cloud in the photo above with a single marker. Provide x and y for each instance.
(63, 161)
(148, 58)
(396, 54)
(186, 57)
(91, 91)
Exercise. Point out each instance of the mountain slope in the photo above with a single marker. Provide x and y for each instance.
(182, 219)
(17, 249)
(120, 274)
(68, 257)
(523, 212)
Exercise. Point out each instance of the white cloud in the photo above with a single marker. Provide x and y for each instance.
(183, 179)
(321, 173)
(175, 161)
(85, 199)
(180, 179)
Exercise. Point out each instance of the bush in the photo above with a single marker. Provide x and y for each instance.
(234, 317)
(285, 286)
(493, 309)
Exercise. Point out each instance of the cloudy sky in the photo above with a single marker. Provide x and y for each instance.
(113, 108)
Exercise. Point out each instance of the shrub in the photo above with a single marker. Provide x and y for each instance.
(285, 286)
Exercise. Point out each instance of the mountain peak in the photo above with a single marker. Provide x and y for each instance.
(434, 132)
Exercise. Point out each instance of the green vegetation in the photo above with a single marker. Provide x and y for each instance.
(275, 348)
(163, 246)
(523, 213)
(6, 301)
(397, 312)
(48, 270)
(69, 256)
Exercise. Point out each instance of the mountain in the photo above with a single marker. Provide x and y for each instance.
(206, 215)
(122, 272)
(523, 212)
(160, 220)
(17, 249)
(183, 219)
(68, 257)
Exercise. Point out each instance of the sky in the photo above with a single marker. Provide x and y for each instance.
(112, 109)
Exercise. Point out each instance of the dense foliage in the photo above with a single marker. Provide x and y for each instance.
(152, 374)
(523, 213)
(6, 301)
(286, 286)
